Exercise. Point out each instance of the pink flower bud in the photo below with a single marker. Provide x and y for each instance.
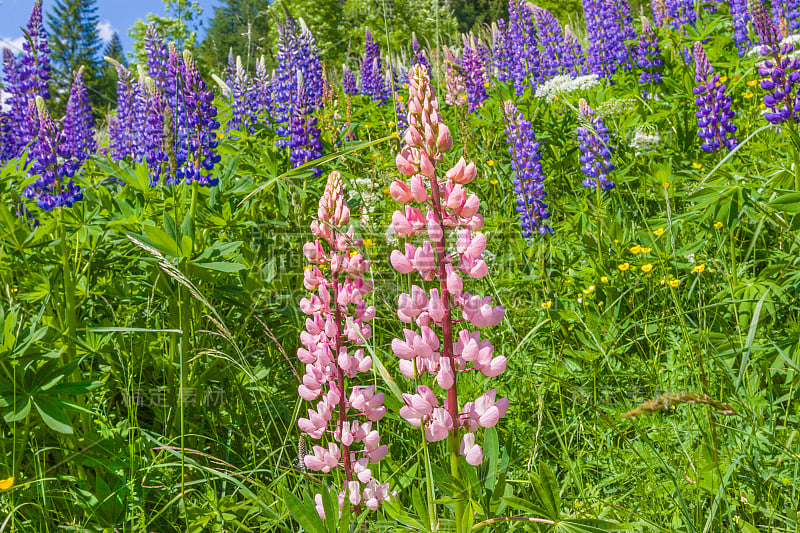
(444, 140)
(426, 165)
(404, 165)
(400, 192)
(469, 450)
(418, 190)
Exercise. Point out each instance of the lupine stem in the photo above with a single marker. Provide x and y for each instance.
(69, 291)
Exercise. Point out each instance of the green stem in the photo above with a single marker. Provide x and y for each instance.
(599, 206)
(69, 291)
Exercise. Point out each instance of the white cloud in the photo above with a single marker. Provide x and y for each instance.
(15, 45)
(106, 31)
(3, 97)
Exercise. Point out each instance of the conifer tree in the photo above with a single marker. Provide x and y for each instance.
(114, 49)
(74, 43)
(241, 26)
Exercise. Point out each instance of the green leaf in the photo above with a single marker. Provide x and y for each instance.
(491, 450)
(53, 415)
(187, 226)
(788, 203)
(221, 266)
(589, 525)
(160, 240)
(307, 518)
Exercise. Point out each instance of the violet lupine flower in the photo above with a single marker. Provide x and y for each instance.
(120, 134)
(451, 218)
(201, 126)
(349, 81)
(9, 140)
(373, 83)
(418, 57)
(335, 331)
(52, 162)
(241, 110)
(606, 28)
(714, 115)
(285, 81)
(593, 143)
(648, 55)
(475, 74)
(141, 111)
(574, 60)
(523, 60)
(158, 61)
(155, 142)
(552, 41)
(741, 32)
(501, 50)
(400, 111)
(455, 85)
(27, 77)
(304, 135)
(780, 71)
(78, 121)
(529, 179)
(310, 68)
(786, 12)
(660, 15)
(680, 13)
(261, 92)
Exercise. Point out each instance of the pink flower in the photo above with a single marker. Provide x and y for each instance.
(469, 450)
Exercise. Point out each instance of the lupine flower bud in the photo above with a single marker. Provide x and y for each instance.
(648, 55)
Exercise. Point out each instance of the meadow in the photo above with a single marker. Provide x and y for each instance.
(532, 280)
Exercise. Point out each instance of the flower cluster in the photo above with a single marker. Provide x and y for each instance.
(26, 78)
(785, 14)
(373, 83)
(573, 59)
(336, 328)
(52, 162)
(475, 74)
(78, 122)
(518, 57)
(648, 54)
(680, 13)
(419, 57)
(714, 115)
(551, 40)
(593, 142)
(298, 87)
(455, 85)
(449, 209)
(565, 84)
(605, 24)
(349, 81)
(529, 179)
(741, 18)
(780, 70)
(121, 138)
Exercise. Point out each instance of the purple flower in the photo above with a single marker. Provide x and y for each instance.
(680, 13)
(242, 118)
(516, 51)
(552, 40)
(120, 126)
(9, 131)
(608, 30)
(593, 143)
(574, 60)
(714, 114)
(474, 71)
(418, 57)
(741, 33)
(349, 81)
(78, 121)
(158, 67)
(400, 110)
(529, 179)
(261, 92)
(373, 83)
(785, 14)
(53, 163)
(648, 55)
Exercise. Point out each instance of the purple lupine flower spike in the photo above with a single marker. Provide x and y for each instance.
(418, 57)
(786, 12)
(241, 119)
(9, 131)
(648, 55)
(120, 134)
(779, 70)
(680, 13)
(157, 53)
(529, 179)
(201, 126)
(474, 73)
(605, 25)
(741, 32)
(574, 59)
(52, 163)
(349, 81)
(524, 57)
(373, 83)
(78, 121)
(552, 41)
(714, 115)
(263, 91)
(593, 142)
(501, 50)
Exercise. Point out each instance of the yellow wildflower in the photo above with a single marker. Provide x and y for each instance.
(405, 86)
(697, 165)
(723, 79)
(395, 134)
(589, 290)
(752, 83)
(555, 98)
(762, 106)
(645, 250)
(494, 182)
(547, 305)
(749, 94)
(486, 84)
(717, 224)
(624, 266)
(647, 268)
(659, 232)
(490, 162)
(386, 191)
(368, 242)
(6, 484)
(391, 125)
(666, 184)
(699, 268)
(604, 279)
(674, 283)
(636, 249)
(399, 97)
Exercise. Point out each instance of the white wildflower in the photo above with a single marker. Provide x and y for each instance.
(615, 106)
(564, 84)
(645, 140)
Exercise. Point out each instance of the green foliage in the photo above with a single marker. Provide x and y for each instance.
(179, 25)
(241, 26)
(471, 13)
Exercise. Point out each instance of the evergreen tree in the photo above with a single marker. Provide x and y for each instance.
(180, 25)
(114, 49)
(471, 13)
(74, 43)
(239, 25)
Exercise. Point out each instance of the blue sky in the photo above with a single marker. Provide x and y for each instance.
(114, 15)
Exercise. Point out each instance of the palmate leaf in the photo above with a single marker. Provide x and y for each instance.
(53, 415)
(305, 515)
